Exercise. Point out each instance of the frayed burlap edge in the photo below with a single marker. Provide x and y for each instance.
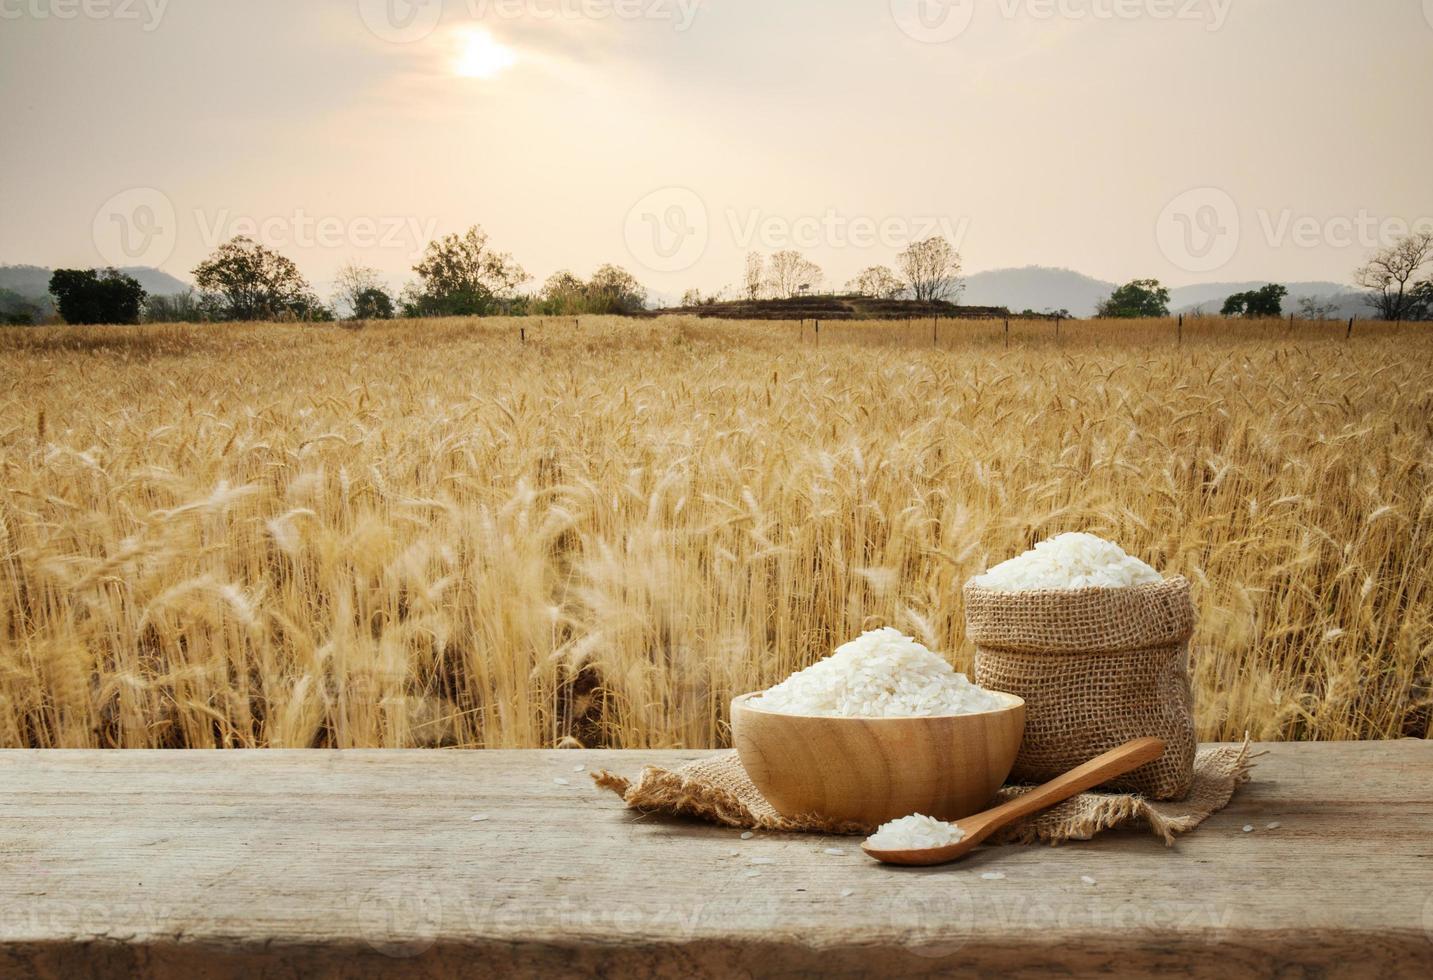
(717, 790)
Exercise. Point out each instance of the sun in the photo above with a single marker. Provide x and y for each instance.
(481, 56)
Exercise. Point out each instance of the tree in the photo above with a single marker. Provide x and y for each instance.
(91, 296)
(243, 280)
(182, 307)
(878, 282)
(562, 295)
(790, 272)
(17, 310)
(1143, 297)
(1266, 301)
(1420, 306)
(931, 269)
(463, 276)
(611, 290)
(373, 303)
(351, 283)
(1392, 273)
(755, 275)
(614, 290)
(1317, 307)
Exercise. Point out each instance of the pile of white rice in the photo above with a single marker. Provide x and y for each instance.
(914, 833)
(882, 674)
(1069, 561)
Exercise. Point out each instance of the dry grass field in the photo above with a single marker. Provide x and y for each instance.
(434, 533)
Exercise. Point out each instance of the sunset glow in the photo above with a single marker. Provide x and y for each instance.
(481, 56)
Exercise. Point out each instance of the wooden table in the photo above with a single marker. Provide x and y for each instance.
(357, 864)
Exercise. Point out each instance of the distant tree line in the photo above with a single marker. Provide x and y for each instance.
(925, 271)
(464, 275)
(1397, 282)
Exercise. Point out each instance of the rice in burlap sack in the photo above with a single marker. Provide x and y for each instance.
(717, 789)
(1096, 667)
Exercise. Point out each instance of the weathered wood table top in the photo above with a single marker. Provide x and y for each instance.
(356, 864)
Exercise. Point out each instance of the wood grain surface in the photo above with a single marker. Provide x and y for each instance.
(359, 864)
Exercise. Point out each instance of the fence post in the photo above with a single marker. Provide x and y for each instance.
(1181, 330)
(1007, 334)
(1349, 335)
(1057, 328)
(522, 334)
(935, 331)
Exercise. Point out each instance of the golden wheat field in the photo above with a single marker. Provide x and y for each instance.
(439, 534)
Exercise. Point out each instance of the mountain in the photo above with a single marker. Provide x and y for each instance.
(157, 282)
(1041, 288)
(1037, 288)
(33, 281)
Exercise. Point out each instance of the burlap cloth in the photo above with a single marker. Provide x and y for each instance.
(1096, 667)
(718, 790)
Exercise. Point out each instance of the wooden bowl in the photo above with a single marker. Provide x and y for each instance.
(873, 770)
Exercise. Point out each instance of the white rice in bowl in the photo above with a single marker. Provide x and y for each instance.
(1069, 561)
(881, 674)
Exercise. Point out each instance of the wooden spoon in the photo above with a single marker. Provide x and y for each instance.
(1116, 762)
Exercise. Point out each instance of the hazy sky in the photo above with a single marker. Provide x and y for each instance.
(1192, 140)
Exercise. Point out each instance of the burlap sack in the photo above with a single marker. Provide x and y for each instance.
(717, 789)
(1096, 667)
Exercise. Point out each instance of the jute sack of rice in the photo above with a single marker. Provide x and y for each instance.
(1098, 661)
